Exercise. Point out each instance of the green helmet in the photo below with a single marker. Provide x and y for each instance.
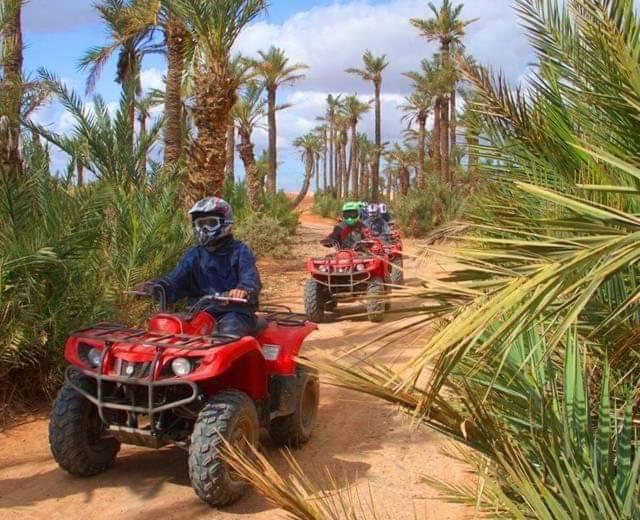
(351, 213)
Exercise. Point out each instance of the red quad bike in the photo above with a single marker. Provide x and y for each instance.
(393, 248)
(174, 383)
(361, 270)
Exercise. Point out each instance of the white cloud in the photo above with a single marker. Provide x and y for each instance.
(152, 79)
(58, 15)
(332, 38)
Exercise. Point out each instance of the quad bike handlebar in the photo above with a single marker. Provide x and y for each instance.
(155, 290)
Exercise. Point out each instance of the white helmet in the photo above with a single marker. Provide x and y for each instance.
(212, 219)
(382, 207)
(373, 209)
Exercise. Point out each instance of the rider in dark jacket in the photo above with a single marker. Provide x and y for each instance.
(218, 265)
(376, 224)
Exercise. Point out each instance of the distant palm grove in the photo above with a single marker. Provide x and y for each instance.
(533, 368)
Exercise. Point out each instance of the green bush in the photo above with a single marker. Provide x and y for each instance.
(68, 255)
(264, 234)
(276, 206)
(421, 211)
(326, 205)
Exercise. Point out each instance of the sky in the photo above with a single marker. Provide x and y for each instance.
(327, 35)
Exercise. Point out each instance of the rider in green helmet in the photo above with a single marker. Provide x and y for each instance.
(348, 232)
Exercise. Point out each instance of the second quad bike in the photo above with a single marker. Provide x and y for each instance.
(392, 244)
(361, 271)
(175, 382)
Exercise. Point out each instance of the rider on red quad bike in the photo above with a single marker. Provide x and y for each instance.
(377, 225)
(219, 264)
(348, 232)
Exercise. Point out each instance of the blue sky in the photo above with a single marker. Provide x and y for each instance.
(328, 35)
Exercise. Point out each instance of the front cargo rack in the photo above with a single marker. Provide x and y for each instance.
(115, 333)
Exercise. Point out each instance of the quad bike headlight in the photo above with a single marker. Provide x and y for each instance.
(94, 357)
(181, 366)
(323, 268)
(360, 267)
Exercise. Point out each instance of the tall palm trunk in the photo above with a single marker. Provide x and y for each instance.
(273, 159)
(444, 140)
(445, 158)
(453, 125)
(142, 118)
(11, 91)
(375, 172)
(324, 159)
(254, 186)
(229, 169)
(308, 172)
(345, 167)
(405, 177)
(214, 96)
(435, 139)
(422, 138)
(331, 158)
(175, 35)
(336, 163)
(353, 162)
(364, 177)
(389, 183)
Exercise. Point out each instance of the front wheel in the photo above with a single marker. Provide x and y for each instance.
(295, 429)
(314, 301)
(231, 416)
(375, 301)
(397, 272)
(76, 434)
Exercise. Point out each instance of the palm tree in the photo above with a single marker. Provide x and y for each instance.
(131, 48)
(142, 17)
(417, 107)
(446, 27)
(274, 69)
(213, 28)
(372, 71)
(353, 109)
(310, 147)
(246, 113)
(402, 157)
(431, 81)
(321, 132)
(11, 85)
(333, 105)
(144, 106)
(341, 141)
(367, 157)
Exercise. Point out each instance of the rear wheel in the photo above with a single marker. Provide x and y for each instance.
(375, 301)
(397, 273)
(315, 298)
(231, 416)
(295, 429)
(76, 434)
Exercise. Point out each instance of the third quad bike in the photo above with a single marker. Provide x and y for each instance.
(363, 270)
(176, 383)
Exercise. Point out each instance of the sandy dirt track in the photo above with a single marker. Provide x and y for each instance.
(356, 437)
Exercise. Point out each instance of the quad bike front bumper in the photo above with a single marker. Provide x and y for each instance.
(101, 396)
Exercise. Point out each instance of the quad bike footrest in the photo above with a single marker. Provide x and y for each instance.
(138, 437)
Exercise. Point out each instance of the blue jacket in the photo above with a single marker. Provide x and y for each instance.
(203, 272)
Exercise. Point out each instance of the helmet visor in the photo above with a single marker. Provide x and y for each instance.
(350, 214)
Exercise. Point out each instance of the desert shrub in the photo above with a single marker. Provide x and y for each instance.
(326, 204)
(264, 234)
(276, 206)
(67, 256)
(421, 211)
